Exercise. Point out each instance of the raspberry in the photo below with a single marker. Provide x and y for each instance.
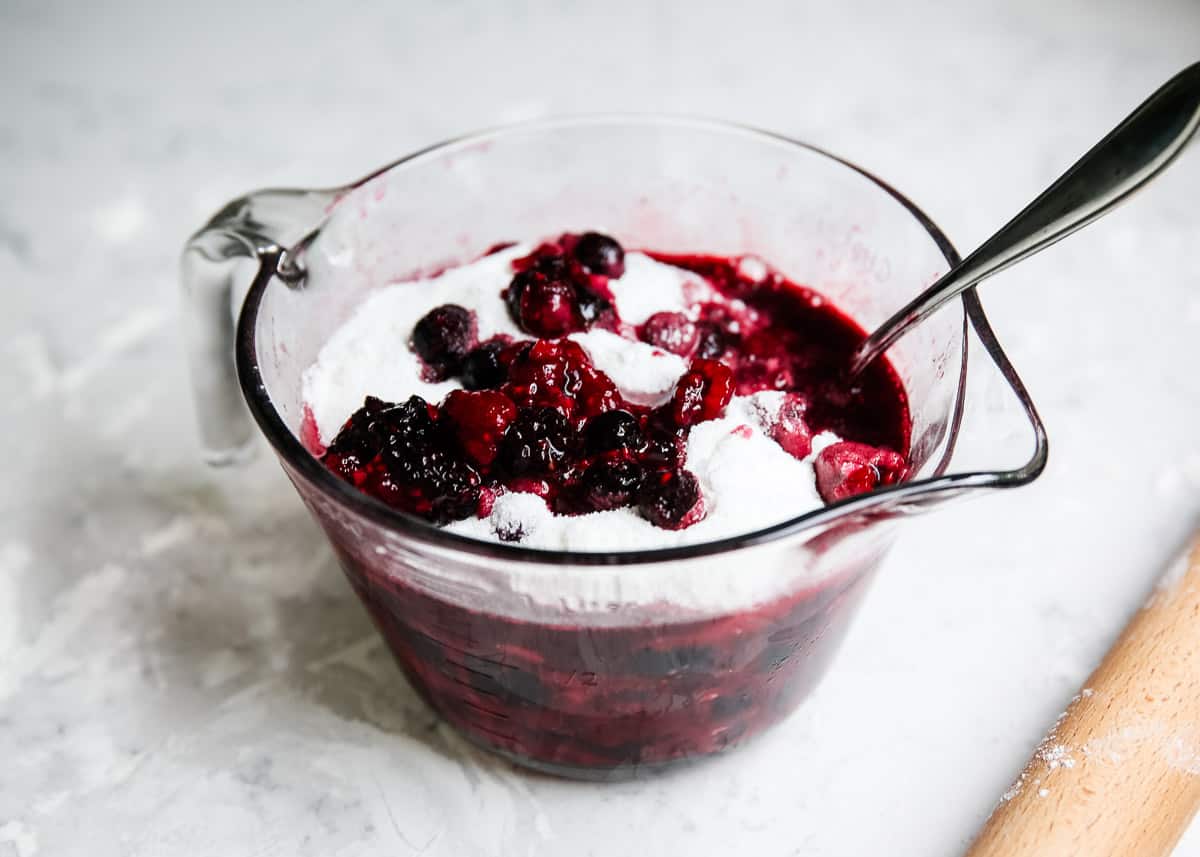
(546, 373)
(847, 468)
(702, 393)
(597, 394)
(790, 430)
(487, 500)
(559, 375)
(478, 420)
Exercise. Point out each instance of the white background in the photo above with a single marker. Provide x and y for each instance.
(182, 669)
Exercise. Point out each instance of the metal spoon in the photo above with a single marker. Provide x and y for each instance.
(1131, 155)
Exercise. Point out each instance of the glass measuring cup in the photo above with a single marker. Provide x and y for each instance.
(583, 664)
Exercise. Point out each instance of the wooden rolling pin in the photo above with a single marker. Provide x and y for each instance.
(1119, 773)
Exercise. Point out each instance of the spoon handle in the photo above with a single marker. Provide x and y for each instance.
(1131, 155)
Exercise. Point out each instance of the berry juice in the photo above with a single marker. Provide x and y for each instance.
(608, 701)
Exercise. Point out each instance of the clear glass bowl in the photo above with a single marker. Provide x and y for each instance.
(584, 664)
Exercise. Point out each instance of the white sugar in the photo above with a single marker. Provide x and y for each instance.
(646, 375)
(648, 287)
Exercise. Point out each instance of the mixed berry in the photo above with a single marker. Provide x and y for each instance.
(535, 415)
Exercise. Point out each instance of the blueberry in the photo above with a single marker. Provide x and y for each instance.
(613, 430)
(611, 484)
(600, 254)
(668, 499)
(482, 368)
(442, 338)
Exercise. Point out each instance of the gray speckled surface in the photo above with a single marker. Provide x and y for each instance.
(182, 668)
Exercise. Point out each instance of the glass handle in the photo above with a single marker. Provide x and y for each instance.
(249, 228)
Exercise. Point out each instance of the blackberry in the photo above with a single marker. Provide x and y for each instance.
(538, 441)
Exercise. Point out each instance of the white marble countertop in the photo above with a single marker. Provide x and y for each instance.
(183, 669)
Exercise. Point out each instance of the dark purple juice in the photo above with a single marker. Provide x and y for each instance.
(607, 702)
